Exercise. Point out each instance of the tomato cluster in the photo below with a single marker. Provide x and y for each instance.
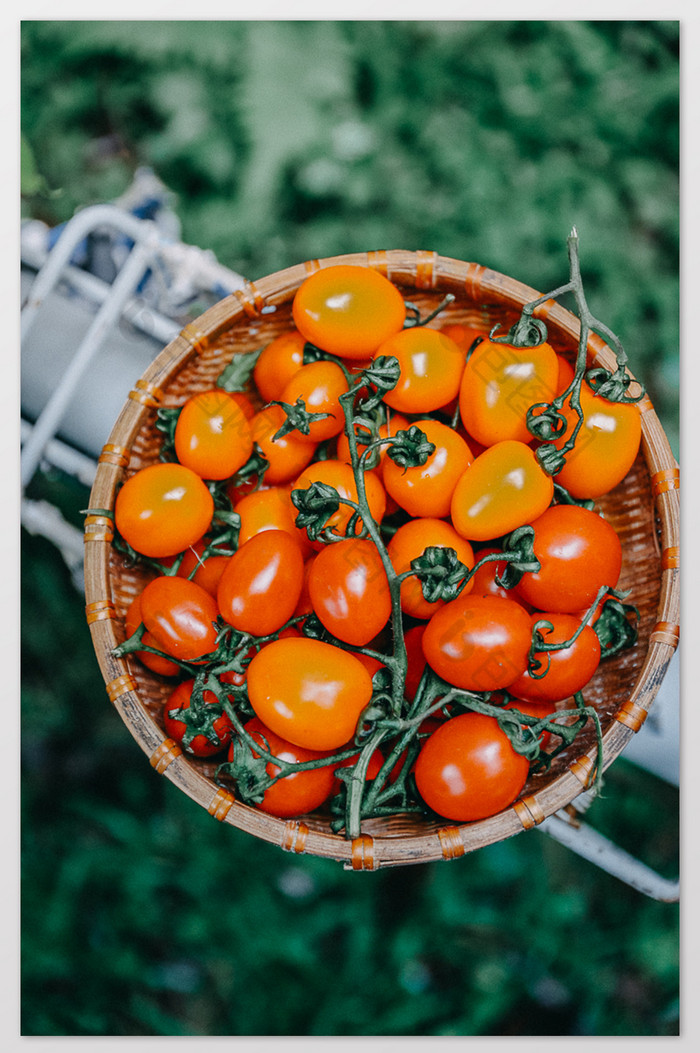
(336, 584)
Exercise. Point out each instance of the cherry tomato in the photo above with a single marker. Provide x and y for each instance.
(427, 490)
(309, 691)
(533, 709)
(431, 369)
(567, 670)
(270, 509)
(468, 770)
(212, 435)
(579, 552)
(605, 448)
(319, 385)
(154, 662)
(209, 570)
(277, 363)
(349, 590)
(413, 640)
(394, 424)
(231, 676)
(348, 310)
(463, 335)
(340, 476)
(201, 745)
(245, 403)
(410, 541)
(500, 383)
(502, 489)
(300, 791)
(484, 580)
(286, 455)
(162, 509)
(180, 616)
(261, 585)
(479, 643)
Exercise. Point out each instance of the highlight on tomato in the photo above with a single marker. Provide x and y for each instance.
(349, 590)
(162, 509)
(260, 588)
(348, 310)
(155, 662)
(180, 616)
(212, 434)
(431, 369)
(216, 730)
(319, 385)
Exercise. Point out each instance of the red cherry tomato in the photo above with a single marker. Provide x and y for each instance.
(319, 385)
(349, 590)
(605, 448)
(277, 363)
(579, 552)
(427, 490)
(500, 383)
(533, 709)
(154, 662)
(431, 369)
(479, 643)
(286, 455)
(468, 770)
(299, 792)
(261, 585)
(566, 671)
(200, 745)
(504, 488)
(410, 541)
(348, 310)
(308, 691)
(413, 639)
(212, 435)
(484, 579)
(162, 509)
(180, 616)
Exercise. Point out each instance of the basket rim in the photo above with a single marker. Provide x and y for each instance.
(425, 271)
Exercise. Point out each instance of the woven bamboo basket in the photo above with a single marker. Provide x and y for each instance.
(644, 510)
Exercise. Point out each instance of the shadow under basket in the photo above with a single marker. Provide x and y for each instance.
(643, 509)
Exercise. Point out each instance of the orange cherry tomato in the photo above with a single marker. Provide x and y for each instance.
(605, 448)
(340, 476)
(310, 692)
(299, 792)
(277, 363)
(500, 383)
(348, 310)
(410, 541)
(180, 616)
(162, 509)
(463, 335)
(212, 435)
(349, 590)
(286, 455)
(566, 671)
(431, 369)
(396, 422)
(479, 643)
(320, 385)
(427, 490)
(209, 570)
(154, 662)
(502, 489)
(270, 509)
(245, 403)
(199, 745)
(468, 770)
(260, 588)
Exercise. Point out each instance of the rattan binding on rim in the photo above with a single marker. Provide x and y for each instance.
(644, 510)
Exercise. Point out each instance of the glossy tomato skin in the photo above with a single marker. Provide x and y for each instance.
(426, 490)
(309, 692)
(162, 509)
(261, 585)
(468, 770)
(180, 616)
(319, 385)
(270, 509)
(286, 455)
(199, 745)
(431, 369)
(502, 489)
(479, 643)
(605, 448)
(500, 383)
(154, 662)
(277, 363)
(349, 590)
(410, 541)
(463, 335)
(567, 670)
(212, 435)
(348, 310)
(340, 476)
(579, 552)
(301, 791)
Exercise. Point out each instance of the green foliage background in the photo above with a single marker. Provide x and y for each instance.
(284, 141)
